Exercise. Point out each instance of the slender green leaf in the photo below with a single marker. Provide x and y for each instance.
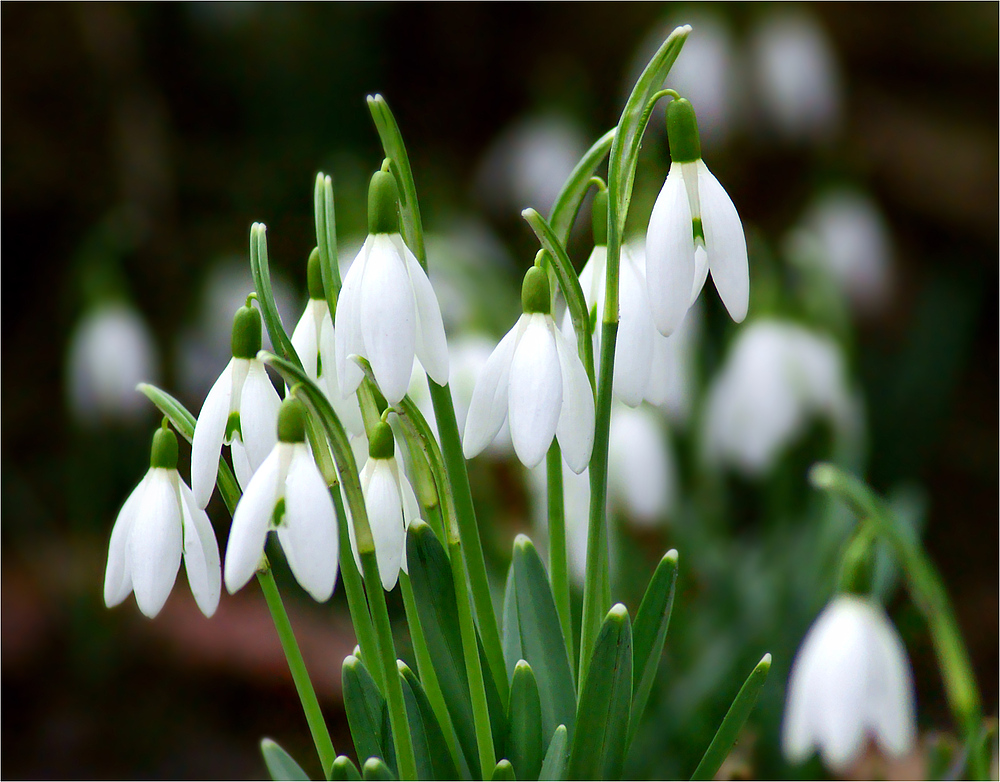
(326, 238)
(524, 724)
(504, 771)
(345, 770)
(280, 765)
(732, 723)
(512, 651)
(265, 296)
(650, 632)
(366, 713)
(542, 644)
(554, 765)
(375, 769)
(598, 749)
(434, 761)
(496, 708)
(567, 203)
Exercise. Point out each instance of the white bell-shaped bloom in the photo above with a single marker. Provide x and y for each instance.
(315, 344)
(240, 410)
(391, 505)
(387, 311)
(287, 494)
(850, 681)
(536, 380)
(110, 352)
(694, 229)
(159, 522)
(776, 378)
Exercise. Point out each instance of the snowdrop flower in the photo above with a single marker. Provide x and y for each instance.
(850, 680)
(636, 330)
(286, 494)
(391, 505)
(159, 522)
(110, 352)
(314, 341)
(387, 311)
(240, 410)
(694, 229)
(534, 378)
(776, 378)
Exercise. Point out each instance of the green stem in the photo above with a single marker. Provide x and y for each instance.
(326, 239)
(303, 685)
(402, 740)
(558, 571)
(929, 595)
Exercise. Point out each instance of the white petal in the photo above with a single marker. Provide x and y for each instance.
(201, 553)
(209, 431)
(488, 407)
(411, 508)
(154, 546)
(634, 345)
(305, 340)
(348, 324)
(346, 407)
(536, 393)
(250, 522)
(891, 712)
(364, 478)
(431, 345)
(308, 533)
(700, 272)
(241, 462)
(388, 319)
(385, 514)
(576, 417)
(670, 254)
(118, 578)
(725, 244)
(259, 414)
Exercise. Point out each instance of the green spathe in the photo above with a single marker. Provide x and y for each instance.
(291, 421)
(682, 132)
(383, 204)
(246, 332)
(164, 450)
(535, 291)
(314, 276)
(381, 444)
(599, 216)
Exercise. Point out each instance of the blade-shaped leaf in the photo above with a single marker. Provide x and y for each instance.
(512, 651)
(375, 769)
(265, 296)
(649, 634)
(554, 765)
(567, 204)
(542, 643)
(523, 746)
(504, 771)
(732, 723)
(280, 765)
(345, 770)
(598, 748)
(434, 761)
(366, 710)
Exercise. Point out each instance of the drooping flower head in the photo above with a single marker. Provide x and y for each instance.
(694, 229)
(536, 380)
(391, 505)
(240, 410)
(159, 522)
(387, 311)
(850, 680)
(314, 341)
(287, 494)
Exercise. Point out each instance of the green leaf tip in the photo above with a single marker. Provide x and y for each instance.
(618, 611)
(823, 475)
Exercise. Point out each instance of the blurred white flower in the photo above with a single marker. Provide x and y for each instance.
(159, 522)
(775, 379)
(111, 351)
(852, 243)
(850, 681)
(797, 77)
(288, 494)
(528, 163)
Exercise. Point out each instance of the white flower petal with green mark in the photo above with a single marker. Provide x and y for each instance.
(155, 541)
(535, 394)
(670, 265)
(305, 337)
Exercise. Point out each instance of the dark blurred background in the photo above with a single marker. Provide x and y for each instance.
(141, 141)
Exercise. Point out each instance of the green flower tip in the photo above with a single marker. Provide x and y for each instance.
(350, 661)
(402, 667)
(618, 611)
(314, 276)
(291, 421)
(765, 661)
(822, 475)
(246, 332)
(381, 444)
(521, 666)
(599, 216)
(164, 450)
(523, 542)
(383, 204)
(671, 556)
(682, 132)
(535, 291)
